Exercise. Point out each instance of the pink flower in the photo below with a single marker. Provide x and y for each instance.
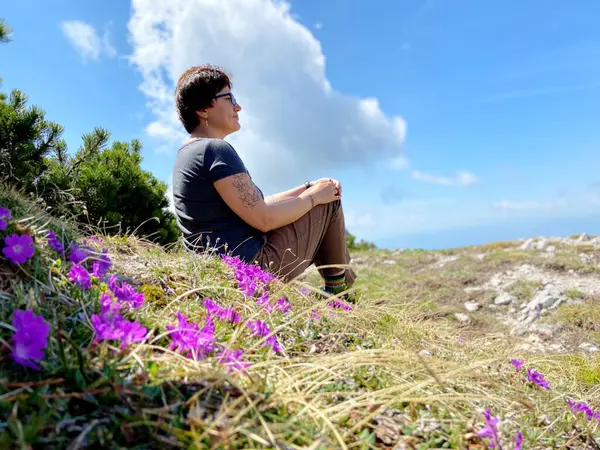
(491, 429)
(30, 338)
(315, 314)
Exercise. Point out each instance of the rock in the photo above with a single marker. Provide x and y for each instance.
(589, 347)
(426, 353)
(540, 245)
(583, 237)
(472, 306)
(547, 331)
(357, 261)
(504, 299)
(462, 318)
(527, 245)
(390, 262)
(548, 297)
(551, 249)
(531, 317)
(470, 290)
(534, 339)
(559, 348)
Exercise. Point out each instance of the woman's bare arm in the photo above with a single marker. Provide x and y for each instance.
(240, 194)
(286, 195)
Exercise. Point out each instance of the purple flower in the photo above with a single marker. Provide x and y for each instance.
(228, 315)
(265, 302)
(581, 407)
(518, 363)
(80, 276)
(189, 340)
(338, 304)
(126, 293)
(490, 430)
(537, 378)
(305, 291)
(54, 243)
(30, 338)
(518, 440)
(77, 254)
(233, 360)
(132, 332)
(5, 215)
(107, 327)
(18, 248)
(248, 276)
(108, 305)
(211, 307)
(101, 265)
(315, 314)
(284, 305)
(260, 328)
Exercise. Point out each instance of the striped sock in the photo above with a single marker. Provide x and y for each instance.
(335, 284)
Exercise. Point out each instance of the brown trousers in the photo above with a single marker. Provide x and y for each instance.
(318, 237)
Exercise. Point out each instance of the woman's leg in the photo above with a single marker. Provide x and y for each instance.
(318, 236)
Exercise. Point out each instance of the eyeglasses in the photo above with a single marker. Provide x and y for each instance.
(230, 95)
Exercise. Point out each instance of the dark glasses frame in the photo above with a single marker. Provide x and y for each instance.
(231, 97)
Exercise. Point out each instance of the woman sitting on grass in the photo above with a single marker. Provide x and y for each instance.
(219, 208)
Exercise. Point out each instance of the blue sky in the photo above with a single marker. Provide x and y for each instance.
(485, 125)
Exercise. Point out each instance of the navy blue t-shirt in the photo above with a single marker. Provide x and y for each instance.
(203, 217)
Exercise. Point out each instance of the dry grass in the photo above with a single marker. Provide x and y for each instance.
(352, 380)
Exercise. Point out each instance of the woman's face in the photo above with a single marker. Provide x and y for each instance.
(223, 116)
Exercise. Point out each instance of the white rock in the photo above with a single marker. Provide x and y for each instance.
(551, 249)
(527, 245)
(426, 353)
(504, 299)
(540, 245)
(583, 237)
(390, 262)
(462, 318)
(357, 261)
(472, 306)
(472, 289)
(589, 347)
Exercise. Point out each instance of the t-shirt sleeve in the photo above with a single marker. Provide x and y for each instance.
(223, 161)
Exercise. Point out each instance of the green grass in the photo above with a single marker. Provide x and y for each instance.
(352, 380)
(524, 290)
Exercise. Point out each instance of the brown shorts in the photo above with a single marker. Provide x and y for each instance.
(318, 237)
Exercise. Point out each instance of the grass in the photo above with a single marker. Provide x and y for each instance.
(524, 290)
(351, 379)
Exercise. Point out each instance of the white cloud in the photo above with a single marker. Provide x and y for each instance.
(399, 162)
(169, 194)
(85, 40)
(460, 179)
(294, 123)
(507, 205)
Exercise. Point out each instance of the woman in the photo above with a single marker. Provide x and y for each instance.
(219, 207)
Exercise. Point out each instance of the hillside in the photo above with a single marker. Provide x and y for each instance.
(428, 355)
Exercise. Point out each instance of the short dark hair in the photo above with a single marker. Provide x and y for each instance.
(196, 90)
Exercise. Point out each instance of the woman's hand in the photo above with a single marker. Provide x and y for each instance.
(336, 183)
(324, 191)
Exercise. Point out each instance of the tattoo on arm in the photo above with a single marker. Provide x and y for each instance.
(246, 190)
